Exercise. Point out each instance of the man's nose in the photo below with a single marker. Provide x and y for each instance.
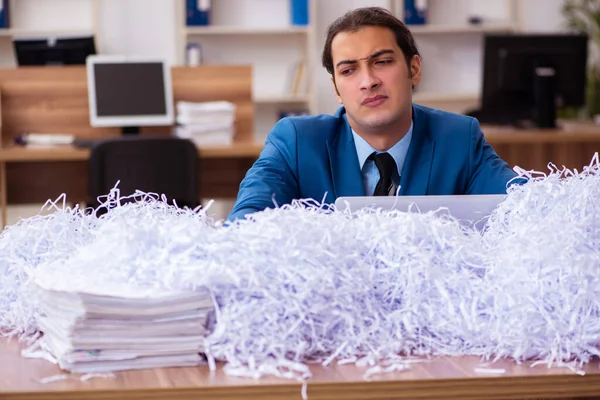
(369, 80)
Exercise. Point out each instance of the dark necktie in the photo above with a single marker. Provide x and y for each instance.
(387, 166)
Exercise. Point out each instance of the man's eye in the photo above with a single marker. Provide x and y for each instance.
(383, 61)
(346, 72)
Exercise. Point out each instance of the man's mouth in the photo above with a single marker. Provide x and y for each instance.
(374, 101)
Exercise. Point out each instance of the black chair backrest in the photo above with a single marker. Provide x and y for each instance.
(162, 165)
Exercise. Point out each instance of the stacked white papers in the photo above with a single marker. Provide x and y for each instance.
(209, 123)
(118, 329)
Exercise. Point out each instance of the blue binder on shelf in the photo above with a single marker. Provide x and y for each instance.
(197, 12)
(299, 12)
(415, 12)
(4, 14)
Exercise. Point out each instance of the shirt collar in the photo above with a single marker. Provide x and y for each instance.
(397, 151)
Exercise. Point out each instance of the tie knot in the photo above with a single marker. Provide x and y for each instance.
(385, 164)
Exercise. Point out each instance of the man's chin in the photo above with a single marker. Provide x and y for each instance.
(378, 121)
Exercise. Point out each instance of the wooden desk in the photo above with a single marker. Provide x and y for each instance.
(34, 175)
(441, 378)
(55, 100)
(573, 145)
(21, 154)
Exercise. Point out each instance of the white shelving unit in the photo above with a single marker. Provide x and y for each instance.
(237, 30)
(452, 48)
(48, 19)
(454, 29)
(300, 99)
(259, 32)
(10, 32)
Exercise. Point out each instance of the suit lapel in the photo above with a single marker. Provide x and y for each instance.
(343, 161)
(417, 166)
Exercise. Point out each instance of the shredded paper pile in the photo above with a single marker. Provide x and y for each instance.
(307, 283)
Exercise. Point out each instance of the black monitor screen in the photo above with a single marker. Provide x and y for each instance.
(511, 62)
(53, 51)
(126, 89)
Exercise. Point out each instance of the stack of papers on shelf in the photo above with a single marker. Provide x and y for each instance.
(116, 329)
(209, 123)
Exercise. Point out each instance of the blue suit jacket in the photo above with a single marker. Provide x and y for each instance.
(315, 157)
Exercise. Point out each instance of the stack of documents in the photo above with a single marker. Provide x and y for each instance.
(114, 330)
(209, 123)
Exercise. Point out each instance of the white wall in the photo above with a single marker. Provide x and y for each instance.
(151, 28)
(55, 14)
(139, 27)
(541, 15)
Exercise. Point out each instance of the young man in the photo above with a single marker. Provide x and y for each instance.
(378, 142)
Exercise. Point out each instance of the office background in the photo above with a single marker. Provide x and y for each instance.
(452, 52)
(259, 33)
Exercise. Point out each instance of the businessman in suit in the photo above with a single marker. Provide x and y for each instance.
(378, 142)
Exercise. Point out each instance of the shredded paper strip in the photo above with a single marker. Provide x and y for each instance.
(307, 283)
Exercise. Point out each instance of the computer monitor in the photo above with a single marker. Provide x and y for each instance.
(129, 92)
(526, 76)
(53, 50)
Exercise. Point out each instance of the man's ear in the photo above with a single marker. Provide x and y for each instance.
(335, 91)
(415, 71)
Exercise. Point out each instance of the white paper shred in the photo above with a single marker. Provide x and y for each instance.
(82, 378)
(304, 283)
(492, 371)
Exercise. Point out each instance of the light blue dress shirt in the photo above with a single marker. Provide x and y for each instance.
(368, 169)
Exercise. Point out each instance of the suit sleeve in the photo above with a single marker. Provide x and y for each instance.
(272, 180)
(489, 174)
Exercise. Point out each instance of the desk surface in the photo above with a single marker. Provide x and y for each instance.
(576, 133)
(573, 133)
(16, 153)
(442, 378)
(494, 135)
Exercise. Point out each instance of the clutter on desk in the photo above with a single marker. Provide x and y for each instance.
(307, 282)
(206, 123)
(45, 139)
(95, 328)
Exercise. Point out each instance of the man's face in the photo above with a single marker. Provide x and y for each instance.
(372, 78)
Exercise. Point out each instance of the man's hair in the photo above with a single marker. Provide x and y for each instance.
(354, 20)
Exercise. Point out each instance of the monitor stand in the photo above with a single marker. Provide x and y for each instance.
(130, 130)
(545, 98)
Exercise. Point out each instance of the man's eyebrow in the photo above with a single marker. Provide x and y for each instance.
(374, 55)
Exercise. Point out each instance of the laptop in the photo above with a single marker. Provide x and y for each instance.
(470, 210)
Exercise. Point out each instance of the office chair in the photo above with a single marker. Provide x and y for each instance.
(161, 165)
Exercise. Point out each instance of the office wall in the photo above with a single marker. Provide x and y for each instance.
(139, 27)
(542, 15)
(32, 15)
(151, 28)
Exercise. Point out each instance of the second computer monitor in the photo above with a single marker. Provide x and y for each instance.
(129, 92)
(53, 50)
(525, 74)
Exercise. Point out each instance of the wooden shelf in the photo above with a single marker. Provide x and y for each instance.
(240, 30)
(281, 99)
(450, 29)
(432, 97)
(15, 32)
(22, 154)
